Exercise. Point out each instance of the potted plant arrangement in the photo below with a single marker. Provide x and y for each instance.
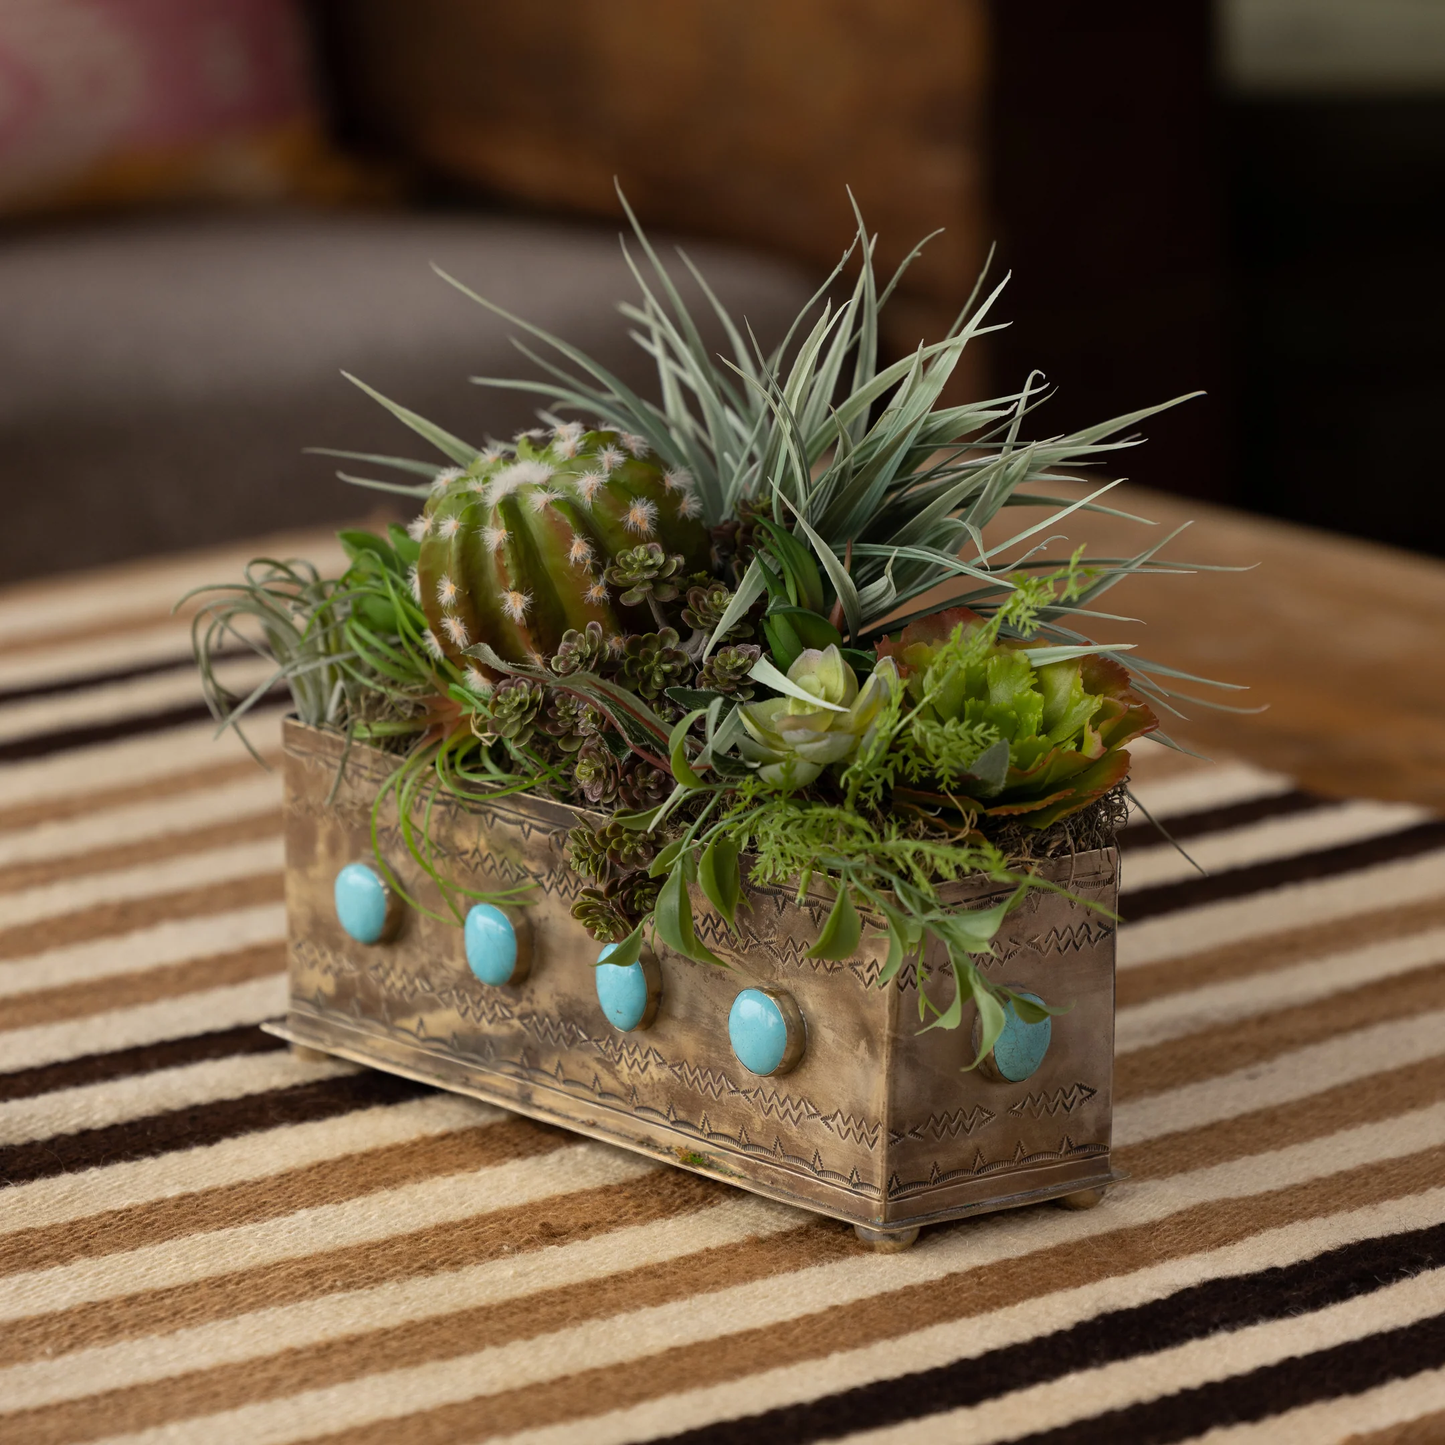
(718, 774)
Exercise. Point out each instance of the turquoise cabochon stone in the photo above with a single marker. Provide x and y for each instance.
(622, 991)
(1021, 1047)
(758, 1031)
(491, 944)
(361, 902)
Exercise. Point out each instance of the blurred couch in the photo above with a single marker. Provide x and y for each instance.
(162, 376)
(164, 363)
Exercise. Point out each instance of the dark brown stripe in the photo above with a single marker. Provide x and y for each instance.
(126, 915)
(85, 804)
(253, 1201)
(1231, 1046)
(1348, 1369)
(440, 1249)
(1142, 903)
(85, 735)
(144, 1059)
(144, 985)
(202, 1124)
(1145, 834)
(158, 849)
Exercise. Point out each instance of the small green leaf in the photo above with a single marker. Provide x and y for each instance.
(666, 858)
(812, 629)
(991, 1016)
(717, 873)
(1030, 1011)
(674, 918)
(628, 951)
(783, 641)
(840, 935)
(677, 751)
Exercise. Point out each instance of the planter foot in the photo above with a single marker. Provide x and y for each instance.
(1082, 1199)
(886, 1241)
(304, 1055)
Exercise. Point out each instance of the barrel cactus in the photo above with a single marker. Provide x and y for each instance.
(529, 543)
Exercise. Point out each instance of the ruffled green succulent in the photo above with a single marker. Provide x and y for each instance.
(515, 705)
(792, 739)
(584, 649)
(596, 772)
(645, 573)
(997, 734)
(727, 671)
(651, 662)
(569, 721)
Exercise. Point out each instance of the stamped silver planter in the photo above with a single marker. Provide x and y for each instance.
(864, 1118)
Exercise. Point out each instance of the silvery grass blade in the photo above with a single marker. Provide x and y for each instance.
(400, 464)
(714, 394)
(1051, 520)
(689, 340)
(1036, 499)
(462, 453)
(372, 484)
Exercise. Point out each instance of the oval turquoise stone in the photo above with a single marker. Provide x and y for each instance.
(758, 1031)
(622, 991)
(361, 900)
(1021, 1047)
(491, 944)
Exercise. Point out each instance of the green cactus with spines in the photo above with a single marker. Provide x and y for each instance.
(515, 547)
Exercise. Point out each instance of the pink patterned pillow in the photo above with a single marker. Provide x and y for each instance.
(105, 102)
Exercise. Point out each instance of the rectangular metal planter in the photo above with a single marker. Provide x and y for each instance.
(878, 1124)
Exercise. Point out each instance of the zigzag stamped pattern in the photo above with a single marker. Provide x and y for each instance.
(1061, 1101)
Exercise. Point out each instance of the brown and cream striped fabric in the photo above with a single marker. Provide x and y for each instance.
(204, 1239)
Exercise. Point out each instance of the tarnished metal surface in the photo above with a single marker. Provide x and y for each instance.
(878, 1124)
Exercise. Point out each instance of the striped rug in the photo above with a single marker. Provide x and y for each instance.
(205, 1240)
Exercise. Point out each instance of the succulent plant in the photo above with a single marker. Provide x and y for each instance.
(570, 721)
(514, 705)
(626, 848)
(643, 786)
(651, 662)
(596, 772)
(644, 574)
(1007, 737)
(611, 912)
(726, 671)
(516, 546)
(603, 917)
(587, 650)
(586, 852)
(706, 603)
(792, 740)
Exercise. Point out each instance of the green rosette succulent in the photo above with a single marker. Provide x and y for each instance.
(516, 548)
(791, 740)
(994, 734)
